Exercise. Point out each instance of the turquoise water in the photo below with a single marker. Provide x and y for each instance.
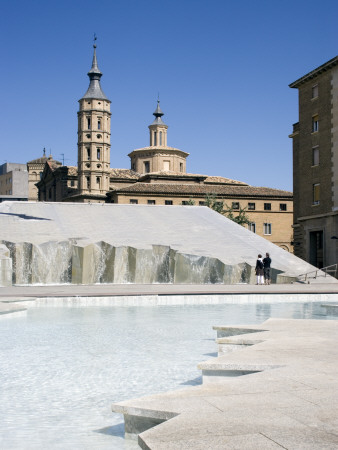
(61, 368)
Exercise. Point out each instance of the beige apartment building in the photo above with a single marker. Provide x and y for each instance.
(157, 175)
(315, 166)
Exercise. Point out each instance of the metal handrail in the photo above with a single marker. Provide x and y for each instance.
(327, 270)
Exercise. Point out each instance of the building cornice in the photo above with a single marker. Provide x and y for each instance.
(317, 216)
(157, 149)
(314, 73)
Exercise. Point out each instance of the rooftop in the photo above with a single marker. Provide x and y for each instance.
(314, 73)
(232, 190)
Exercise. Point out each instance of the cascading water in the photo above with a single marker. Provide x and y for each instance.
(83, 262)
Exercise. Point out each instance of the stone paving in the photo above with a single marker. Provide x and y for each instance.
(14, 297)
(289, 400)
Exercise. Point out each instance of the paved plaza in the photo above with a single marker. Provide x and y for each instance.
(272, 386)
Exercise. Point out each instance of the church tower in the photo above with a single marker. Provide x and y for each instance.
(94, 139)
(158, 157)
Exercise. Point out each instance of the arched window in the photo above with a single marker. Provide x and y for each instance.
(160, 137)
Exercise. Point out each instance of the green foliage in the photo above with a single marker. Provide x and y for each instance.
(190, 202)
(241, 218)
(239, 215)
(211, 201)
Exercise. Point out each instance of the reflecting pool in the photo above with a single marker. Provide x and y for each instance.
(61, 368)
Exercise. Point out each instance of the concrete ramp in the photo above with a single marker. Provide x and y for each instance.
(55, 243)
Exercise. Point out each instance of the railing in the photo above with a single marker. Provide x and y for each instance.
(329, 270)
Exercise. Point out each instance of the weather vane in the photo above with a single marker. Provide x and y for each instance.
(95, 39)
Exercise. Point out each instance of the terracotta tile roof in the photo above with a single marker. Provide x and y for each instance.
(72, 170)
(207, 178)
(222, 180)
(124, 173)
(202, 189)
(43, 160)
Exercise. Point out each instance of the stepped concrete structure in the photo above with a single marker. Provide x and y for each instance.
(271, 386)
(56, 243)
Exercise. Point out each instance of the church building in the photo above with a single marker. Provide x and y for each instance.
(157, 175)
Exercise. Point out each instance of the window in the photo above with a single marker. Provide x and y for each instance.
(282, 207)
(267, 206)
(181, 167)
(88, 182)
(88, 153)
(315, 156)
(201, 203)
(99, 124)
(235, 205)
(40, 175)
(151, 202)
(146, 166)
(133, 201)
(316, 194)
(168, 202)
(98, 180)
(251, 206)
(160, 137)
(88, 123)
(185, 202)
(252, 227)
(99, 154)
(315, 91)
(72, 183)
(155, 138)
(166, 166)
(315, 123)
(267, 228)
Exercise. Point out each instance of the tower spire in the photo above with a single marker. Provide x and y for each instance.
(158, 114)
(94, 90)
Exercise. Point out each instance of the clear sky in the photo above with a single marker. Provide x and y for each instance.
(222, 69)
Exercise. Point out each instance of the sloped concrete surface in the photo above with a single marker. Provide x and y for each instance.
(93, 243)
(291, 403)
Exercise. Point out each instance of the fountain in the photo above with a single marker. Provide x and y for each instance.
(56, 243)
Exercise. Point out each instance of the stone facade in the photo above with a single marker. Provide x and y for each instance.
(35, 170)
(315, 166)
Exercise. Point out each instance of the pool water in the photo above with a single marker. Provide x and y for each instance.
(61, 368)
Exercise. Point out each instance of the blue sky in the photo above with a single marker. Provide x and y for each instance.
(222, 70)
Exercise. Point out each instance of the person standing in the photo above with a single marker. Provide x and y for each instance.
(267, 268)
(260, 270)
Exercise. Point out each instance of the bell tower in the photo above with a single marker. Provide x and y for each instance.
(94, 139)
(158, 129)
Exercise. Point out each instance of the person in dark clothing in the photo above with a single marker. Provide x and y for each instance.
(260, 270)
(267, 268)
